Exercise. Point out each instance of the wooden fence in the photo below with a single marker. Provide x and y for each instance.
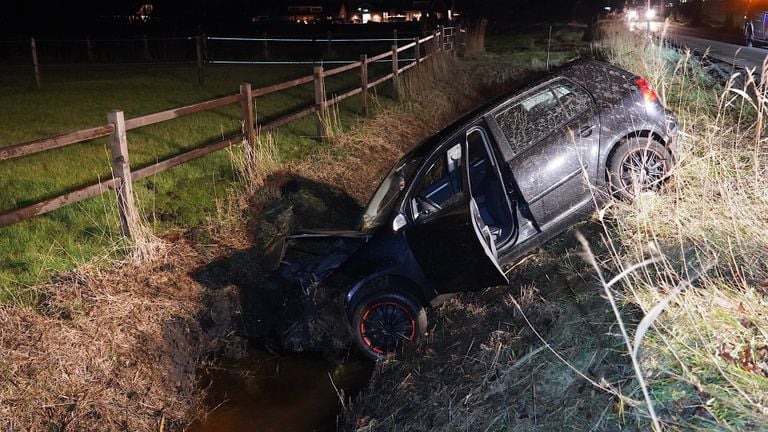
(117, 127)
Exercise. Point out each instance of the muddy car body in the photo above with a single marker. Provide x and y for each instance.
(483, 192)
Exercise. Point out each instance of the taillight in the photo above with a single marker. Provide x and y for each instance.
(649, 94)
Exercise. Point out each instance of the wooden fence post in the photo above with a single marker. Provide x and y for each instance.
(204, 40)
(364, 82)
(121, 169)
(246, 110)
(395, 74)
(457, 40)
(417, 51)
(266, 47)
(199, 52)
(89, 47)
(35, 65)
(145, 45)
(319, 80)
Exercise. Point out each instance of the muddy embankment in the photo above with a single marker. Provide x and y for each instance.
(117, 346)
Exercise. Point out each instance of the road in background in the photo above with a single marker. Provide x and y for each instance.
(737, 55)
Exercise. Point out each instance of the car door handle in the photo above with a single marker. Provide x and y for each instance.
(586, 131)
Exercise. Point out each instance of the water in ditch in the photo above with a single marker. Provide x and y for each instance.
(266, 392)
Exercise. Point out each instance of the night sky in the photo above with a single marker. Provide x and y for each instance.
(27, 18)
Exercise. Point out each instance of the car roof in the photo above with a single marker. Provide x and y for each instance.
(605, 82)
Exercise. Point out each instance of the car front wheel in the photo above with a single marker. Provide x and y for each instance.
(384, 323)
(638, 165)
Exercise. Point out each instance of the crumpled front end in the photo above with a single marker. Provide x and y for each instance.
(305, 258)
(312, 319)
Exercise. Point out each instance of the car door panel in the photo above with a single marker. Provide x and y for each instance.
(452, 252)
(448, 241)
(553, 166)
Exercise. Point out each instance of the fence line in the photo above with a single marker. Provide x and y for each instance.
(322, 39)
(117, 127)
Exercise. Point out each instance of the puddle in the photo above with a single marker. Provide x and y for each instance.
(264, 392)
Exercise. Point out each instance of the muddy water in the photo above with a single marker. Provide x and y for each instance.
(264, 392)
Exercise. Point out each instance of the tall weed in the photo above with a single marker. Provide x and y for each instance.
(705, 352)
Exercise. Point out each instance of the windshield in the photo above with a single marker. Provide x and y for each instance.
(385, 197)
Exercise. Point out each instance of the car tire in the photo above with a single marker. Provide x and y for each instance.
(385, 322)
(638, 162)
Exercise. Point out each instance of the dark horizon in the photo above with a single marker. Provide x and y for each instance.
(185, 17)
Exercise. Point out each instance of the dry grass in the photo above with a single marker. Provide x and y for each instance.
(108, 349)
(255, 161)
(706, 353)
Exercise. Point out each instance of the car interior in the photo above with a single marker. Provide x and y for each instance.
(442, 181)
(487, 188)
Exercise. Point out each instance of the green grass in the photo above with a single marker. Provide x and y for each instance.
(79, 97)
(528, 48)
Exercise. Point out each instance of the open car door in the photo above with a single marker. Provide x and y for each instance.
(448, 237)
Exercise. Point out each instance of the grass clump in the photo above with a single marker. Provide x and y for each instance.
(705, 356)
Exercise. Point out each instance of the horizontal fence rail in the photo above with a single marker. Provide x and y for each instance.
(118, 126)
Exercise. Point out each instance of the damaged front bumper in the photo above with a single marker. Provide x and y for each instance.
(305, 258)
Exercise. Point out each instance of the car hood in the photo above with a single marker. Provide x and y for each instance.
(309, 256)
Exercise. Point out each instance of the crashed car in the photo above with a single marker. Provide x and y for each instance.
(483, 192)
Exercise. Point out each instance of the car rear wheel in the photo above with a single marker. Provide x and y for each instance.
(638, 165)
(386, 322)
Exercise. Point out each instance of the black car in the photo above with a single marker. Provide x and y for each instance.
(484, 191)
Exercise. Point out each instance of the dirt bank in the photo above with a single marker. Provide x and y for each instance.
(117, 344)
(112, 347)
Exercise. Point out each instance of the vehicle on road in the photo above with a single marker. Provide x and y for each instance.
(483, 192)
(756, 22)
(644, 16)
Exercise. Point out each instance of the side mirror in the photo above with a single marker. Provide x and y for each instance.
(399, 222)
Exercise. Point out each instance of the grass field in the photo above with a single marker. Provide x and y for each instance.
(79, 97)
(530, 47)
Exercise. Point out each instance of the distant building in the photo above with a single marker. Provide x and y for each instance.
(362, 12)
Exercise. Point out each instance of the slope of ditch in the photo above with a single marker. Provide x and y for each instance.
(120, 344)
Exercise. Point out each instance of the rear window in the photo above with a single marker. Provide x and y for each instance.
(538, 114)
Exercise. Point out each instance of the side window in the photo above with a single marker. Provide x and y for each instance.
(573, 98)
(536, 116)
(440, 183)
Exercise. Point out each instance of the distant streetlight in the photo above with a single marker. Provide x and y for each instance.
(648, 17)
